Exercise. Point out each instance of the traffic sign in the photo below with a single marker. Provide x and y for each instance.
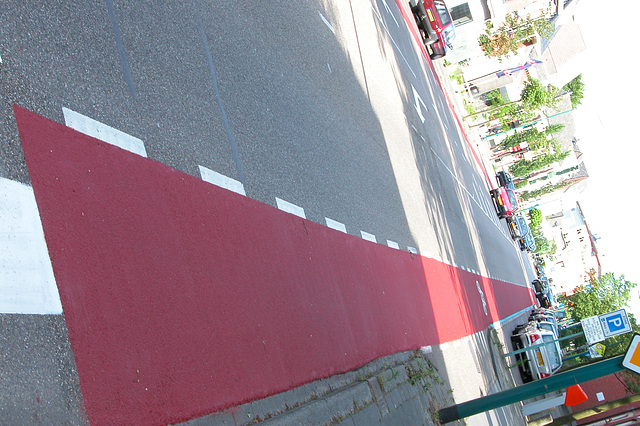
(599, 327)
(592, 329)
(631, 359)
(615, 323)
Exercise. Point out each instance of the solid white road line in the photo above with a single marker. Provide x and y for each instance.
(27, 284)
(393, 244)
(290, 208)
(101, 131)
(326, 22)
(222, 181)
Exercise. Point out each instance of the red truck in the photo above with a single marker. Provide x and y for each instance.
(505, 201)
(435, 23)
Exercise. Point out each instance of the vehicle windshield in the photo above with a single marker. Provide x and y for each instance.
(444, 14)
(512, 199)
(548, 326)
(449, 33)
(552, 352)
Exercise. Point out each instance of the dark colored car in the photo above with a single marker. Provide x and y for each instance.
(540, 286)
(528, 243)
(544, 300)
(504, 179)
(517, 226)
(513, 227)
(505, 201)
(436, 26)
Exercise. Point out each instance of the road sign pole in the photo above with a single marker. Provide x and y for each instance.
(532, 389)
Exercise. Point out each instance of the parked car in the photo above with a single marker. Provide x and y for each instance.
(557, 314)
(435, 23)
(540, 286)
(518, 228)
(514, 230)
(545, 320)
(528, 243)
(541, 362)
(504, 179)
(505, 201)
(545, 299)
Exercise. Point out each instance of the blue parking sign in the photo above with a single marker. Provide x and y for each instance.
(614, 323)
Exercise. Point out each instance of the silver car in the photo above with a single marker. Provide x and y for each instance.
(542, 361)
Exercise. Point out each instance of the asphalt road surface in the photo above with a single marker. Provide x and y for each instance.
(329, 106)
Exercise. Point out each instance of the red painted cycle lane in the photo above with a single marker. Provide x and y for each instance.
(182, 298)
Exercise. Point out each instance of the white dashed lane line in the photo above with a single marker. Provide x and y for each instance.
(101, 131)
(123, 140)
(290, 208)
(222, 181)
(334, 224)
(369, 237)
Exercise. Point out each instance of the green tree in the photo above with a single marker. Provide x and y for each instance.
(535, 95)
(600, 295)
(534, 138)
(547, 189)
(512, 33)
(576, 87)
(523, 168)
(536, 217)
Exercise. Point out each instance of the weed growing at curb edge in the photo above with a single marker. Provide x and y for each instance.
(422, 372)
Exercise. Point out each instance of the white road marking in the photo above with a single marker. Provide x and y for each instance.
(326, 22)
(393, 244)
(290, 208)
(369, 237)
(412, 250)
(101, 131)
(417, 100)
(386, 6)
(222, 181)
(484, 302)
(491, 216)
(334, 224)
(375, 12)
(27, 284)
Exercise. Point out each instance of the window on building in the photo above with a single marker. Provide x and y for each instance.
(461, 14)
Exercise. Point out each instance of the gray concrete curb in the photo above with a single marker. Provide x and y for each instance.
(403, 388)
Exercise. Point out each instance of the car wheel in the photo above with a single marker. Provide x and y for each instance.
(435, 56)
